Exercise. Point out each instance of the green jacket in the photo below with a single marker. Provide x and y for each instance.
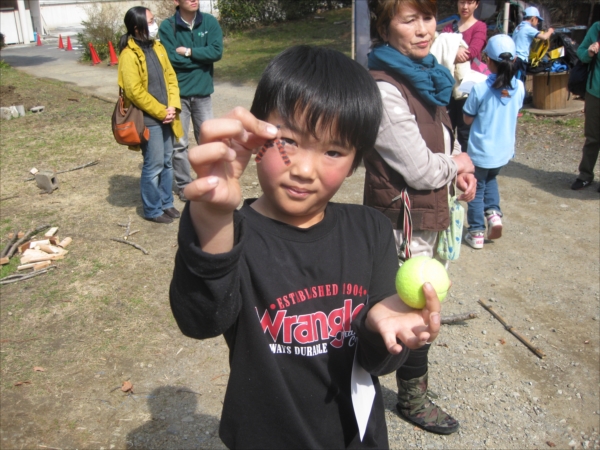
(195, 74)
(591, 36)
(133, 79)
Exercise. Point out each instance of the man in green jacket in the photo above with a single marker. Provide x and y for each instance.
(588, 53)
(194, 41)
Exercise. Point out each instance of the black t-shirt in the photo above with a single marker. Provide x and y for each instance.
(290, 303)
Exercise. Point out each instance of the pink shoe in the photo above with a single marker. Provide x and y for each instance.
(475, 239)
(494, 222)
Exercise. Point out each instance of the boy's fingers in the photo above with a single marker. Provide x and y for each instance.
(214, 130)
(391, 343)
(200, 186)
(432, 309)
(257, 131)
(210, 153)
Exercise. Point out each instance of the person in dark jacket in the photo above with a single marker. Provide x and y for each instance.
(194, 42)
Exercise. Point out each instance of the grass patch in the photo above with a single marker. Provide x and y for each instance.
(572, 122)
(247, 53)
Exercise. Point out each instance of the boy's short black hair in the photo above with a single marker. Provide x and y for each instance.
(327, 91)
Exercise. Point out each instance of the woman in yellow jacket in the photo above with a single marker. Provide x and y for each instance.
(149, 82)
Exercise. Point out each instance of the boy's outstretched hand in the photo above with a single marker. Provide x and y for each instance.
(219, 162)
(394, 320)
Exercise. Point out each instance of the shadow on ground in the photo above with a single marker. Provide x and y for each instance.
(557, 183)
(124, 191)
(174, 422)
(26, 61)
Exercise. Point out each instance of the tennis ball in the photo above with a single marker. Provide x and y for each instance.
(416, 271)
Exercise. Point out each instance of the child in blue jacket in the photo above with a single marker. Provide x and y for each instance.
(492, 109)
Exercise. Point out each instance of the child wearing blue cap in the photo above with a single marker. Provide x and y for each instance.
(492, 108)
(524, 35)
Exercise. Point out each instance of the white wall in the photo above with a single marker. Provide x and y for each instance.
(70, 14)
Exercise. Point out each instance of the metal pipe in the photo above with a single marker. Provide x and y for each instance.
(506, 14)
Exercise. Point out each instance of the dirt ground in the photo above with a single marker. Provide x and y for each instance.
(103, 316)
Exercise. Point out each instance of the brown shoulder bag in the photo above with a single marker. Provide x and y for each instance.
(128, 124)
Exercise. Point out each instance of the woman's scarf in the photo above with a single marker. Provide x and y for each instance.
(432, 81)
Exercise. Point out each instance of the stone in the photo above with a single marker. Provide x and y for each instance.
(46, 180)
(37, 109)
(5, 113)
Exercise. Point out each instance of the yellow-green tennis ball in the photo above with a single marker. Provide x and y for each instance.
(414, 273)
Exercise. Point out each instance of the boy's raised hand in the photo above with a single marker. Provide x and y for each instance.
(393, 319)
(219, 162)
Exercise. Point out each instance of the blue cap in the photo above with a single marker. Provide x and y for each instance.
(532, 11)
(501, 43)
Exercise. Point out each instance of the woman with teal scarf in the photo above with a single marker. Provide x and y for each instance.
(416, 156)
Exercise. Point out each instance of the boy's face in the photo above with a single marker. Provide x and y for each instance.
(297, 194)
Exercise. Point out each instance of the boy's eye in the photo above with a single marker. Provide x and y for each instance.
(333, 153)
(288, 141)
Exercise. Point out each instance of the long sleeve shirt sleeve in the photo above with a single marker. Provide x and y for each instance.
(400, 144)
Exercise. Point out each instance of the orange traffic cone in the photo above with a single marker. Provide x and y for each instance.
(94, 55)
(69, 46)
(113, 55)
(39, 40)
(60, 42)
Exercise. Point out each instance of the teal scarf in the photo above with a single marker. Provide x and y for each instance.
(432, 81)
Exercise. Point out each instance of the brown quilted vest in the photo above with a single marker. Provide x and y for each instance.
(429, 209)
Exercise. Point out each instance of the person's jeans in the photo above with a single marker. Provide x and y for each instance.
(157, 171)
(199, 109)
(486, 198)
(592, 138)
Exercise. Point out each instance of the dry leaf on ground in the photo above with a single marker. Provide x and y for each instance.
(39, 369)
(127, 386)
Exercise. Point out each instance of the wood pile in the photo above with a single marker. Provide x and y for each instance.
(36, 254)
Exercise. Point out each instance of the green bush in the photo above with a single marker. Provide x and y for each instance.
(104, 25)
(240, 14)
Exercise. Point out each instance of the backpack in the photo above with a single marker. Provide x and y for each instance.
(580, 76)
(537, 51)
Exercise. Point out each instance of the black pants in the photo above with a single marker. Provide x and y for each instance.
(415, 365)
(592, 138)
(455, 111)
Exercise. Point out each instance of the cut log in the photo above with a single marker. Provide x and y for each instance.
(39, 242)
(34, 266)
(66, 241)
(33, 256)
(51, 232)
(20, 234)
(25, 246)
(41, 265)
(4, 260)
(47, 249)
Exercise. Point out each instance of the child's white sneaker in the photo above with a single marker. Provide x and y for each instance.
(494, 223)
(474, 239)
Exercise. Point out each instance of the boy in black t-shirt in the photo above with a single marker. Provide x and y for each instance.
(301, 288)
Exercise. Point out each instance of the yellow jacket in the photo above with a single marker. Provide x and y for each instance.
(133, 79)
